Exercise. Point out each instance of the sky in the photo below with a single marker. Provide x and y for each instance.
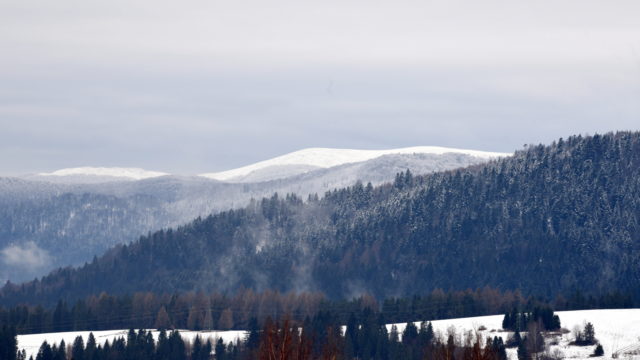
(199, 86)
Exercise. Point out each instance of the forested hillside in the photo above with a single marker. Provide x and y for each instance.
(61, 221)
(550, 219)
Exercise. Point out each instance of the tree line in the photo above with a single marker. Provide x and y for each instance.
(366, 334)
(365, 337)
(200, 311)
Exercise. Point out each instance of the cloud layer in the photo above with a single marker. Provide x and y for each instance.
(202, 86)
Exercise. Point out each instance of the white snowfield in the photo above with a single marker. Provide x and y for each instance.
(316, 158)
(31, 343)
(128, 173)
(617, 330)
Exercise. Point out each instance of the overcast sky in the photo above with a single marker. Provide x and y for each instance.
(199, 86)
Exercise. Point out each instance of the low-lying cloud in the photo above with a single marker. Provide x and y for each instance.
(28, 256)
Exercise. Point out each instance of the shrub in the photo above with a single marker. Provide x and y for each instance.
(599, 351)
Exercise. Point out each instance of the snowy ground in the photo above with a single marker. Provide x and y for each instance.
(31, 343)
(617, 330)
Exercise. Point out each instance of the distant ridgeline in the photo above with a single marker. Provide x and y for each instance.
(549, 220)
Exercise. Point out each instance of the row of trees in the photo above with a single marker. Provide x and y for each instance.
(284, 340)
(366, 335)
(200, 311)
(520, 320)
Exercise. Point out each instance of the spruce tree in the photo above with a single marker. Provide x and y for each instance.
(45, 352)
(589, 334)
(90, 349)
(220, 350)
(77, 350)
(61, 351)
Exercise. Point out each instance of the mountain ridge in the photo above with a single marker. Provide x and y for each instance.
(71, 221)
(551, 219)
(331, 157)
(305, 160)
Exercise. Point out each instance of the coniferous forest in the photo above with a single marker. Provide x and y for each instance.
(552, 228)
(550, 220)
(319, 180)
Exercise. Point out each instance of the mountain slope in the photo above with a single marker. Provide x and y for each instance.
(303, 161)
(550, 219)
(83, 212)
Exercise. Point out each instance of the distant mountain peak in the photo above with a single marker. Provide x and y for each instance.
(304, 160)
(116, 172)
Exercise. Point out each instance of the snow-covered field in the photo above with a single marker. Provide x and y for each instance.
(617, 330)
(31, 343)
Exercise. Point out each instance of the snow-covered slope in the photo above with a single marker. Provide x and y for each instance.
(617, 330)
(101, 173)
(302, 161)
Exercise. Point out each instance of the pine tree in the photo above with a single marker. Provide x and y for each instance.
(589, 334)
(506, 321)
(90, 350)
(61, 353)
(177, 349)
(499, 349)
(45, 352)
(206, 350)
(77, 350)
(426, 333)
(196, 349)
(163, 348)
(220, 350)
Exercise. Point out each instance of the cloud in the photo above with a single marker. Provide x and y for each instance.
(202, 86)
(27, 256)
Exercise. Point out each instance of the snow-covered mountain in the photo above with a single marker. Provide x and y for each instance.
(90, 175)
(67, 216)
(306, 160)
